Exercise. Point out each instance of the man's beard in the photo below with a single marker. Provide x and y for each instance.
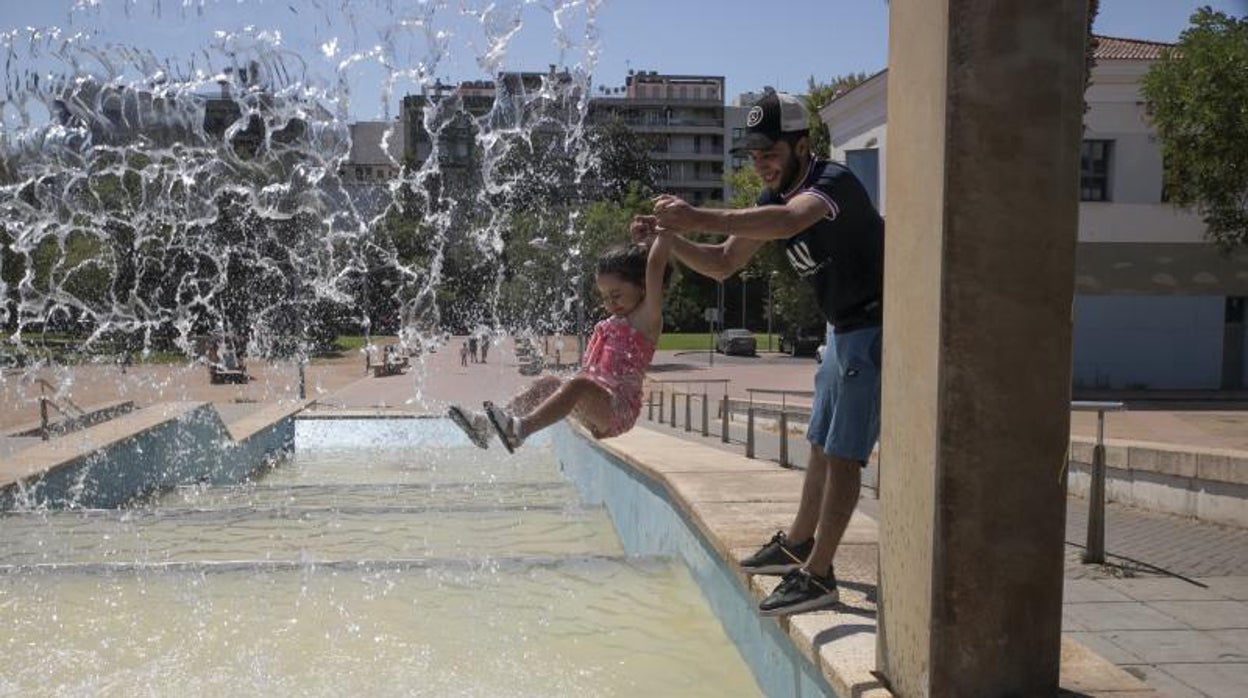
(788, 176)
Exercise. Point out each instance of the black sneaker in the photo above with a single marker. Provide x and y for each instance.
(800, 591)
(777, 556)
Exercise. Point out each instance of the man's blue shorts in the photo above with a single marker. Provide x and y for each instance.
(845, 417)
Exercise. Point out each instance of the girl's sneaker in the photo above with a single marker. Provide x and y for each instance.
(474, 424)
(507, 426)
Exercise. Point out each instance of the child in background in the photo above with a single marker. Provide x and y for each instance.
(605, 395)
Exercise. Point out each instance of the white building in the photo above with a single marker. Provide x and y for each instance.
(376, 153)
(1156, 305)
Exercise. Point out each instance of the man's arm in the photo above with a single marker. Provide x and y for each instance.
(718, 261)
(772, 222)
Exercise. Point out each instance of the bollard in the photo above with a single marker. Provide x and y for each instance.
(784, 438)
(1095, 551)
(673, 416)
(303, 393)
(662, 400)
(650, 406)
(723, 413)
(705, 412)
(43, 418)
(688, 419)
(749, 431)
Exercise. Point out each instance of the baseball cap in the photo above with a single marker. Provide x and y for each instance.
(772, 115)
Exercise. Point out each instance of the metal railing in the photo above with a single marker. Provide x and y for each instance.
(68, 410)
(723, 408)
(783, 425)
(1095, 550)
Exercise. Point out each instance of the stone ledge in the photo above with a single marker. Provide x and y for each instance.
(841, 643)
(1216, 464)
(1206, 484)
(263, 418)
(49, 456)
(161, 446)
(311, 410)
(92, 415)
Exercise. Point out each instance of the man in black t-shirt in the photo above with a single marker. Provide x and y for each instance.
(834, 239)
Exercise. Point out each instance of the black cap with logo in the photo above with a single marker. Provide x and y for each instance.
(776, 113)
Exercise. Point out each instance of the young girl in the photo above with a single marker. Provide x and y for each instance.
(605, 395)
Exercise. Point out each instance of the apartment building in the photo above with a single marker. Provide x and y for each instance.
(1157, 306)
(683, 117)
(513, 101)
(376, 155)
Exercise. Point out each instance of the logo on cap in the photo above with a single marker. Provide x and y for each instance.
(754, 117)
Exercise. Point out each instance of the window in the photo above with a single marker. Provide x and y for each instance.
(1094, 170)
(737, 133)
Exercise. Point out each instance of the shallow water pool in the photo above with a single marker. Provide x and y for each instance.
(383, 558)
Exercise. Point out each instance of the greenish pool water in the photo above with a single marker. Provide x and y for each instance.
(381, 559)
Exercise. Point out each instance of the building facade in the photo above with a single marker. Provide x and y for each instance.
(536, 101)
(376, 156)
(683, 117)
(1157, 306)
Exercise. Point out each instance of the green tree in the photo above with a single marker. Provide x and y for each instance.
(1089, 50)
(621, 160)
(1197, 96)
(818, 95)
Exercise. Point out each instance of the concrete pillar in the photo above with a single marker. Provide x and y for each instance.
(984, 124)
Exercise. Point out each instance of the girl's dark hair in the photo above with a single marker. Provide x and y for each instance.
(628, 261)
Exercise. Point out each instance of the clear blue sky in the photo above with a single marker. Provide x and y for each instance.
(823, 38)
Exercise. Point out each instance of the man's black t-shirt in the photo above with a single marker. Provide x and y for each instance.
(842, 255)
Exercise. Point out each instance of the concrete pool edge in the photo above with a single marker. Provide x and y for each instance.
(706, 495)
(148, 450)
(649, 521)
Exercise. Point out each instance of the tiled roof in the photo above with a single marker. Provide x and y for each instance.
(1115, 48)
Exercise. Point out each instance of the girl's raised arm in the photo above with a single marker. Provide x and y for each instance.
(656, 266)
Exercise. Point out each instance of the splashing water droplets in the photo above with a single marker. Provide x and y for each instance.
(169, 173)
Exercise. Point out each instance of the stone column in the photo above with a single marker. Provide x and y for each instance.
(984, 121)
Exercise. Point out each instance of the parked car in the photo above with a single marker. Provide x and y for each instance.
(802, 341)
(739, 342)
